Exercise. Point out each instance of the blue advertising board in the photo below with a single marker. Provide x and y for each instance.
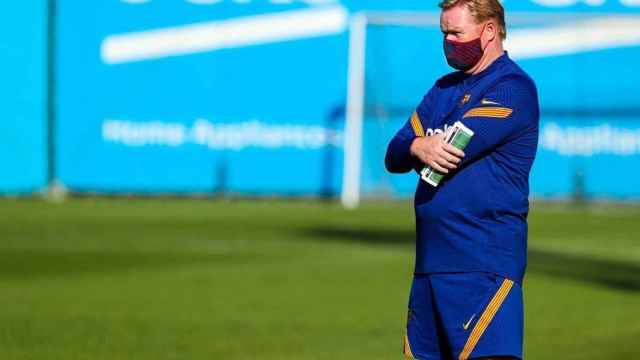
(192, 96)
(595, 157)
(143, 110)
(23, 128)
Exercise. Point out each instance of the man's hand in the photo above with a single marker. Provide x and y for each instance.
(433, 151)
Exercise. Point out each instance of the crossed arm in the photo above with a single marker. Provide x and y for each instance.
(514, 110)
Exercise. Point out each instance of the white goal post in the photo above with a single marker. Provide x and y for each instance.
(355, 109)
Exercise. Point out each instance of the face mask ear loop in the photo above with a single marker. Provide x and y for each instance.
(481, 33)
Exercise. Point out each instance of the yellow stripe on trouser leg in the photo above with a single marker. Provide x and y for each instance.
(417, 125)
(485, 319)
(406, 348)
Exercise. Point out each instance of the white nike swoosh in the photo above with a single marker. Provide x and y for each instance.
(488, 102)
(466, 326)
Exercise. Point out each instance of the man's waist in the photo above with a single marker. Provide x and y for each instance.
(445, 255)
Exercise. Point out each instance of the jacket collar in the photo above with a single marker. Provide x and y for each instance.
(471, 80)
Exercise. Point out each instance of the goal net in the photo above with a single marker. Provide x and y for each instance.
(394, 58)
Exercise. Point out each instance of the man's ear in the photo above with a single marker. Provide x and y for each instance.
(490, 31)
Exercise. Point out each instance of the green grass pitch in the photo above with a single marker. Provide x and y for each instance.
(195, 279)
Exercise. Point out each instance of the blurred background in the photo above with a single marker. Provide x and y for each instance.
(205, 178)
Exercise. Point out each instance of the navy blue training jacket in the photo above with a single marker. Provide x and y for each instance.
(476, 219)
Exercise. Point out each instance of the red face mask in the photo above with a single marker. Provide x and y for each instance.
(463, 55)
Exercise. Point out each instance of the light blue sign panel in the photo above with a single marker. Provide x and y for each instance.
(171, 96)
(597, 157)
(198, 96)
(23, 135)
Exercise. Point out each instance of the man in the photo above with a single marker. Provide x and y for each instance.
(466, 297)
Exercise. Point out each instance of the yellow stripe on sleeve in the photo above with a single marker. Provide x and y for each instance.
(417, 125)
(491, 112)
(486, 318)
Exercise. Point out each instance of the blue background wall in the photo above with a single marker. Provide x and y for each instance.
(268, 118)
(275, 86)
(23, 131)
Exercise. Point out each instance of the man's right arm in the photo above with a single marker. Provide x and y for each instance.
(410, 149)
(399, 158)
